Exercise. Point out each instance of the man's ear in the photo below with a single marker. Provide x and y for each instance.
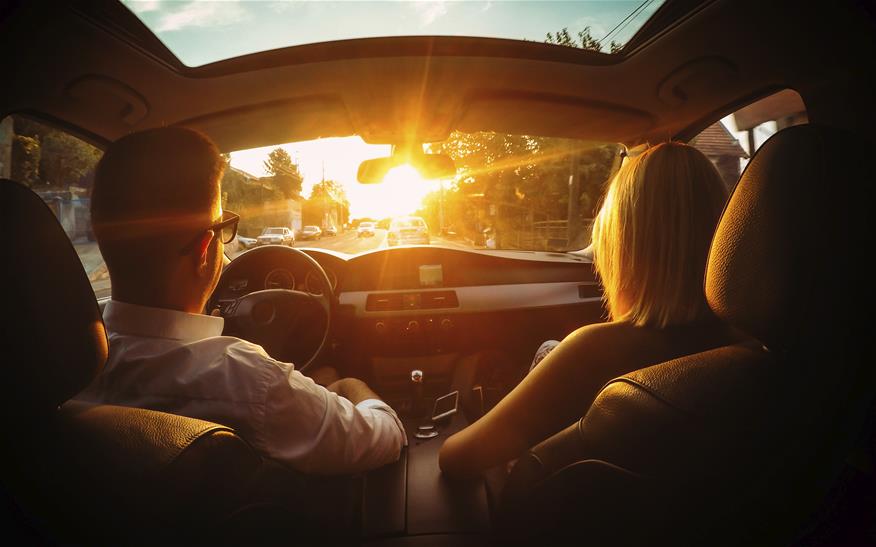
(203, 248)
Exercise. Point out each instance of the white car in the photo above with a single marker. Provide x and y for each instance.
(277, 235)
(408, 230)
(246, 242)
(366, 229)
(311, 232)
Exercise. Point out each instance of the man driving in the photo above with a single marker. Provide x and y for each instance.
(157, 216)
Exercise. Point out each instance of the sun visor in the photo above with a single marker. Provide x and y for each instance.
(268, 124)
(553, 116)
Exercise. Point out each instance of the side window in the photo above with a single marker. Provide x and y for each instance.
(731, 142)
(60, 169)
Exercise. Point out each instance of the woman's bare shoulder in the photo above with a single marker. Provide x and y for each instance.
(608, 333)
(624, 342)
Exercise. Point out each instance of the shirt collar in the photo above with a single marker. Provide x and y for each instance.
(123, 318)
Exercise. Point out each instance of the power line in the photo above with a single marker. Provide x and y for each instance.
(633, 18)
(626, 20)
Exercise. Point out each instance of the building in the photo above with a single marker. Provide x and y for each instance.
(72, 208)
(723, 150)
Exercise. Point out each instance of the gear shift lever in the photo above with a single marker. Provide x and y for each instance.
(417, 393)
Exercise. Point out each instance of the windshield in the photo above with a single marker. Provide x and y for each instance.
(509, 192)
(270, 231)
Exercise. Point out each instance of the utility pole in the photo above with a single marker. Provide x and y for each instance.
(325, 212)
(573, 223)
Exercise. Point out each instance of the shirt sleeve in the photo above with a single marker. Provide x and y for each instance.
(316, 431)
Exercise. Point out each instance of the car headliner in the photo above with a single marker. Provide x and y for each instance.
(118, 78)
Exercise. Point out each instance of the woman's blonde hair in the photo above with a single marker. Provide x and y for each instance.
(652, 234)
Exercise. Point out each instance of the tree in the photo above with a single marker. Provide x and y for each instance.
(284, 172)
(65, 160)
(585, 39)
(26, 159)
(46, 157)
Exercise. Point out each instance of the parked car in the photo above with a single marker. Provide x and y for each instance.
(276, 235)
(311, 232)
(407, 230)
(246, 242)
(366, 229)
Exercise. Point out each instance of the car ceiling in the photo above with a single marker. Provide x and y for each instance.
(94, 67)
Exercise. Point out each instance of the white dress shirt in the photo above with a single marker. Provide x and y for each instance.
(179, 363)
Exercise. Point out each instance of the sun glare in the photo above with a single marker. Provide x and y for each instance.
(401, 193)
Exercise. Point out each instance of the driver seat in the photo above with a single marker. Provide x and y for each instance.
(743, 444)
(76, 473)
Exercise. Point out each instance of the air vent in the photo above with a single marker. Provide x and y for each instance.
(384, 302)
(438, 299)
(431, 300)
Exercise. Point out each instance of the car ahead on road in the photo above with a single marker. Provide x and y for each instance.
(331, 231)
(276, 235)
(408, 230)
(310, 232)
(246, 242)
(365, 229)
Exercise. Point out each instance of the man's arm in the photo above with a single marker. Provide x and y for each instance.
(342, 429)
(352, 389)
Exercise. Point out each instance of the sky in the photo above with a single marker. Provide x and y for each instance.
(200, 32)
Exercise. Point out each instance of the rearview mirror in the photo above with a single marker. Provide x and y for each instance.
(430, 166)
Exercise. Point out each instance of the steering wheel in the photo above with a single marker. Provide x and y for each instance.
(273, 318)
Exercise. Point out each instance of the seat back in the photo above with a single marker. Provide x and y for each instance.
(80, 473)
(739, 444)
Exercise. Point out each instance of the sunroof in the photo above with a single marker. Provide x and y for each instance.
(202, 32)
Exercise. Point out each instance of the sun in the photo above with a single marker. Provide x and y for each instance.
(401, 193)
(338, 159)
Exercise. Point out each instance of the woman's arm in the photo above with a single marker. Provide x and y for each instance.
(555, 394)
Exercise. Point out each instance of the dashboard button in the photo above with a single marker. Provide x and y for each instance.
(446, 324)
(380, 327)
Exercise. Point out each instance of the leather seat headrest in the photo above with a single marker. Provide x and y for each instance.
(783, 243)
(54, 337)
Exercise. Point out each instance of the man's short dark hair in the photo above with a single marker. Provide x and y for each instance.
(148, 186)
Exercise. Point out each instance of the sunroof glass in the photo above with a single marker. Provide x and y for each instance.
(202, 32)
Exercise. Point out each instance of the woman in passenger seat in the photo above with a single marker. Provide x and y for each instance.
(650, 246)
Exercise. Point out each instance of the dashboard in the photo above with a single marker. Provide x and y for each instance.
(429, 307)
(426, 278)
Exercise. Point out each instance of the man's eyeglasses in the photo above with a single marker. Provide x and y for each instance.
(225, 230)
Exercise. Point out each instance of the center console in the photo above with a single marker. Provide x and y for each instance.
(411, 497)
